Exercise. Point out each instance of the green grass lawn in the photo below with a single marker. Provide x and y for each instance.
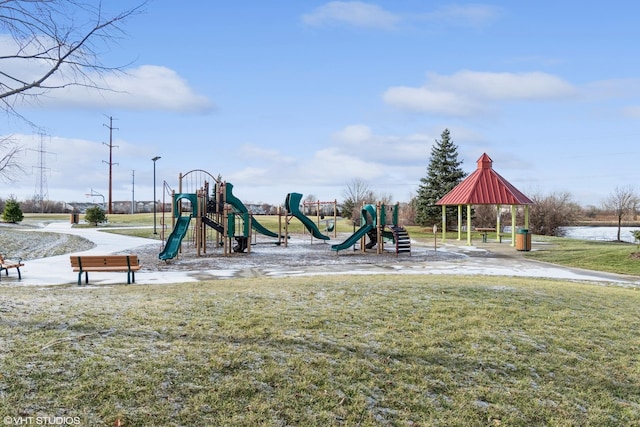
(613, 257)
(324, 351)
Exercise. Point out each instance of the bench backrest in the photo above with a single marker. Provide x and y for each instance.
(104, 261)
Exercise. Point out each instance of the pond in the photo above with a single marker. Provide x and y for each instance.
(600, 233)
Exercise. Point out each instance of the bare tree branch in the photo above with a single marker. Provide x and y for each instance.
(51, 41)
(9, 166)
(52, 38)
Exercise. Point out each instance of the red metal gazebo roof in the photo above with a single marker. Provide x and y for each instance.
(484, 187)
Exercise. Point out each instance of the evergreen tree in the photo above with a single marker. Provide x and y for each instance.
(443, 174)
(95, 215)
(12, 212)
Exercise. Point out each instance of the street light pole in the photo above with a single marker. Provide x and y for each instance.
(156, 158)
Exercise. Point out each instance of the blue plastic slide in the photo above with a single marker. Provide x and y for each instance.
(173, 242)
(292, 205)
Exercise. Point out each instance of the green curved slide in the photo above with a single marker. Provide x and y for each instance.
(241, 208)
(292, 205)
(175, 238)
(368, 211)
(353, 239)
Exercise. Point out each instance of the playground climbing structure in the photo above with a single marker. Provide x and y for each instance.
(215, 213)
(379, 223)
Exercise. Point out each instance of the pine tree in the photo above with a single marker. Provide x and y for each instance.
(95, 215)
(443, 174)
(12, 212)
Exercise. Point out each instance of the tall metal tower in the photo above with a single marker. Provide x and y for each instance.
(42, 190)
(110, 163)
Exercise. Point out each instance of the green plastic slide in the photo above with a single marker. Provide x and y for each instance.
(175, 238)
(353, 239)
(368, 217)
(241, 208)
(292, 205)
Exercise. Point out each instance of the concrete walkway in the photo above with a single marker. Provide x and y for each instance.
(485, 259)
(56, 270)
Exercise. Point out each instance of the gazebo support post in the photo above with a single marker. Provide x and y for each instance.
(498, 236)
(513, 225)
(469, 225)
(459, 222)
(526, 216)
(444, 222)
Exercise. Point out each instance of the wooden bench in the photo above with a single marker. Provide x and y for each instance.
(6, 264)
(105, 263)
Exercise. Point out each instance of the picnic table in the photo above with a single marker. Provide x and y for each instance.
(485, 231)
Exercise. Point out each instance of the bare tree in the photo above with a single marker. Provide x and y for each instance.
(9, 164)
(55, 37)
(59, 38)
(549, 213)
(355, 194)
(623, 201)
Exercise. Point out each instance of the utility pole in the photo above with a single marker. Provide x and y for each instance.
(133, 191)
(110, 163)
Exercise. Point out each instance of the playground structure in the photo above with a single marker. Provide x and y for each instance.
(207, 206)
(292, 208)
(330, 224)
(219, 212)
(374, 221)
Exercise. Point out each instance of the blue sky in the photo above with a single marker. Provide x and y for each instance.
(306, 96)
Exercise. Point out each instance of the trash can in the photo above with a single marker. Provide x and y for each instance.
(523, 240)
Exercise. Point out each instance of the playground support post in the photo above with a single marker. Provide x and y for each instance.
(155, 159)
(379, 227)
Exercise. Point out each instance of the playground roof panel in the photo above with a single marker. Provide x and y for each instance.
(484, 187)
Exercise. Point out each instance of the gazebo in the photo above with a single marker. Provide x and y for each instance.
(484, 187)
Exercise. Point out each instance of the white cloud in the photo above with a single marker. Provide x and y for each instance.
(470, 92)
(71, 167)
(353, 134)
(474, 15)
(264, 154)
(354, 13)
(148, 87)
(632, 111)
(505, 86)
(390, 150)
(426, 100)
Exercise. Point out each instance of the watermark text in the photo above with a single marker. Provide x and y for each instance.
(41, 421)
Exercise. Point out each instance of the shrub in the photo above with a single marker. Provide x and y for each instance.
(95, 215)
(12, 212)
(636, 237)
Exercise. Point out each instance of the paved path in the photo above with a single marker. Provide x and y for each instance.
(490, 259)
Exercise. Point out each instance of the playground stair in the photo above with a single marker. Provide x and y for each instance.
(213, 224)
(401, 237)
